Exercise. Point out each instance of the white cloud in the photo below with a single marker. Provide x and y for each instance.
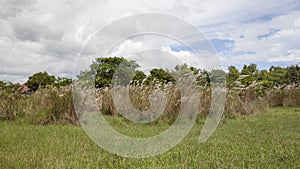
(276, 40)
(127, 48)
(148, 54)
(38, 35)
(293, 55)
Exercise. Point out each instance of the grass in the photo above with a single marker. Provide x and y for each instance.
(268, 140)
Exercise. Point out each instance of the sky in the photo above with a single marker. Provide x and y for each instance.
(37, 35)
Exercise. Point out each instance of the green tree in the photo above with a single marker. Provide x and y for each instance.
(139, 77)
(62, 81)
(217, 76)
(292, 75)
(41, 79)
(277, 75)
(9, 86)
(2, 85)
(251, 71)
(160, 75)
(203, 78)
(264, 77)
(105, 71)
(183, 69)
(232, 76)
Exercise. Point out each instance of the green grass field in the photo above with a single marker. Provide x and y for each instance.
(269, 140)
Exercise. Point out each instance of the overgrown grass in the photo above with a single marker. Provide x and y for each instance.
(45, 106)
(267, 140)
(53, 105)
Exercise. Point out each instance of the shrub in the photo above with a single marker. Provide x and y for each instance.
(45, 106)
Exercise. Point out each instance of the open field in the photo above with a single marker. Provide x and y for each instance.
(268, 140)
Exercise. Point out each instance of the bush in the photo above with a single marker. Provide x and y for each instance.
(45, 106)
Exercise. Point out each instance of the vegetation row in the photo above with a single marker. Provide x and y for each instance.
(45, 99)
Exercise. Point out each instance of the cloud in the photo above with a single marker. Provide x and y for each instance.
(274, 40)
(42, 35)
(149, 55)
(38, 35)
(156, 52)
(12, 8)
(293, 55)
(26, 30)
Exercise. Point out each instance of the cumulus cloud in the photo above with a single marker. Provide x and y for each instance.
(157, 52)
(271, 41)
(12, 8)
(293, 55)
(38, 35)
(42, 35)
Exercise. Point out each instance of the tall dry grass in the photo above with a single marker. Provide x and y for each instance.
(286, 96)
(55, 105)
(245, 100)
(139, 98)
(45, 106)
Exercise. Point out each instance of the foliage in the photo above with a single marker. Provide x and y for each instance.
(232, 76)
(249, 71)
(9, 86)
(184, 69)
(264, 77)
(203, 78)
(105, 69)
(250, 91)
(276, 75)
(217, 76)
(40, 79)
(62, 81)
(139, 77)
(160, 75)
(292, 75)
(2, 84)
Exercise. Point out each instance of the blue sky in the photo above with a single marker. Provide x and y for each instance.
(271, 39)
(37, 35)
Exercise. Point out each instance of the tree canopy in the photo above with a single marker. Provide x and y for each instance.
(40, 79)
(106, 71)
(122, 71)
(43, 79)
(232, 76)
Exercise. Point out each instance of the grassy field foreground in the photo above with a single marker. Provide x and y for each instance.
(269, 140)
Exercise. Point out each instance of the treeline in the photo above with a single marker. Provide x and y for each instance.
(275, 76)
(46, 99)
(107, 71)
(35, 81)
